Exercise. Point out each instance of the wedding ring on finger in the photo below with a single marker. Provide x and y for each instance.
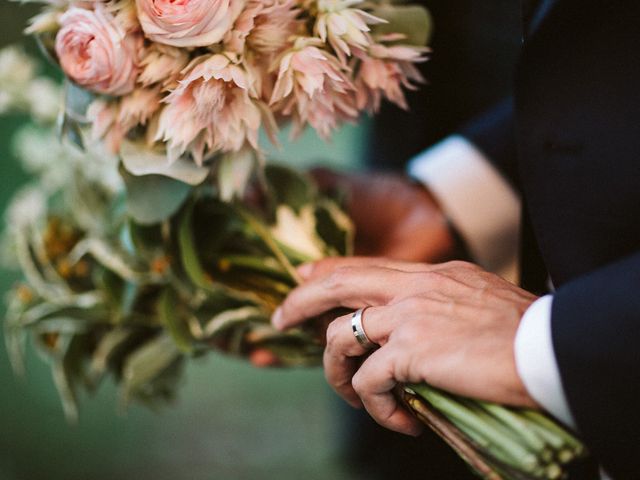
(358, 330)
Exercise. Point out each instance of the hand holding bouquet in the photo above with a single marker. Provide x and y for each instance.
(134, 278)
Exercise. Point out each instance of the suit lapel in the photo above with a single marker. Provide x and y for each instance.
(534, 12)
(539, 14)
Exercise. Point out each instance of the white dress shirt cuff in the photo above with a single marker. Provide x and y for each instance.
(479, 202)
(536, 360)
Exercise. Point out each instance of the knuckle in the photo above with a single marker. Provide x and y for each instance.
(358, 382)
(326, 264)
(411, 305)
(462, 265)
(406, 334)
(431, 279)
(338, 278)
(333, 333)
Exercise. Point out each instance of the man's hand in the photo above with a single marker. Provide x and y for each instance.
(451, 325)
(394, 217)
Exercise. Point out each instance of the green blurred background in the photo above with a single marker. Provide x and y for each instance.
(231, 421)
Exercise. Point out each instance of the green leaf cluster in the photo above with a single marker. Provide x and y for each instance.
(164, 272)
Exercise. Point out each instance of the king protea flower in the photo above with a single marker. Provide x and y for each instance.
(162, 64)
(265, 26)
(313, 87)
(111, 120)
(384, 72)
(344, 27)
(214, 109)
(103, 116)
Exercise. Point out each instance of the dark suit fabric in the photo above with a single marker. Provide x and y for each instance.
(475, 45)
(577, 133)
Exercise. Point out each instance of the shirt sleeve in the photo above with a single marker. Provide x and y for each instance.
(477, 199)
(536, 360)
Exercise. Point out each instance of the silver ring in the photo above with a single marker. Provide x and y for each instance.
(358, 330)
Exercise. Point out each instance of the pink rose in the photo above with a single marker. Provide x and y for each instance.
(188, 23)
(97, 53)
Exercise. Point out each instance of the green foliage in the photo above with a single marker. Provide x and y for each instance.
(412, 21)
(133, 293)
(154, 198)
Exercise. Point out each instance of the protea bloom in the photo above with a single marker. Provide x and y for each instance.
(384, 72)
(162, 64)
(265, 26)
(344, 27)
(214, 108)
(314, 88)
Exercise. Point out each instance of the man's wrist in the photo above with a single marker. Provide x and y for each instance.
(536, 361)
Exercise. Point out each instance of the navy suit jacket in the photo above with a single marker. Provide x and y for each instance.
(569, 141)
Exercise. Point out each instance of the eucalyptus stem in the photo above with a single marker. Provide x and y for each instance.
(517, 424)
(253, 262)
(452, 435)
(544, 421)
(515, 454)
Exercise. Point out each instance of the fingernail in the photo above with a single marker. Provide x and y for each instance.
(305, 270)
(263, 358)
(276, 318)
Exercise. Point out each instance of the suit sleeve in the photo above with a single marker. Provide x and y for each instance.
(596, 338)
(494, 134)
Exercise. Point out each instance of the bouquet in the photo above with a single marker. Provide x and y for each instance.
(169, 235)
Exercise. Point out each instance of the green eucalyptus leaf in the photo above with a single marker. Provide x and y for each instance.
(289, 187)
(232, 318)
(145, 240)
(63, 325)
(77, 101)
(192, 264)
(46, 42)
(112, 258)
(189, 252)
(174, 324)
(139, 160)
(108, 346)
(154, 198)
(146, 364)
(68, 129)
(15, 339)
(335, 228)
(46, 310)
(68, 368)
(66, 390)
(412, 21)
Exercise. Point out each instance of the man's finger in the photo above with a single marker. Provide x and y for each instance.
(339, 370)
(348, 287)
(343, 352)
(374, 383)
(377, 323)
(325, 266)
